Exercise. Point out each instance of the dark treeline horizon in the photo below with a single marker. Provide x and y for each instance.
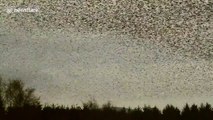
(20, 103)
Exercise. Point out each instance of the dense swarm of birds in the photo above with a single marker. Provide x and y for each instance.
(185, 26)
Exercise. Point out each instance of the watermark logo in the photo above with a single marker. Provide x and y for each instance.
(23, 10)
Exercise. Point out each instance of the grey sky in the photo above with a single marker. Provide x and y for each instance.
(71, 67)
(145, 53)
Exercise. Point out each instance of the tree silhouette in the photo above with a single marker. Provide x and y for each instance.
(1, 99)
(17, 96)
(206, 112)
(108, 106)
(150, 113)
(90, 105)
(185, 114)
(194, 112)
(171, 113)
(18, 102)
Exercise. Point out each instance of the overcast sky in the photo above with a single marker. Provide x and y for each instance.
(71, 66)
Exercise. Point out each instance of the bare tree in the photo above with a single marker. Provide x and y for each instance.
(17, 96)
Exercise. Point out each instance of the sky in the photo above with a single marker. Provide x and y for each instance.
(128, 65)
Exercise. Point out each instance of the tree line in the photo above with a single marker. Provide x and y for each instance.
(20, 103)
